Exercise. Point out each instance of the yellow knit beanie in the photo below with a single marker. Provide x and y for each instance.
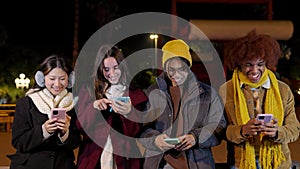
(176, 48)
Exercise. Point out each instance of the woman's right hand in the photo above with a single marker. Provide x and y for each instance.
(102, 104)
(50, 125)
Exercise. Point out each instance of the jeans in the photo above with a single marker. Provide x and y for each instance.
(256, 161)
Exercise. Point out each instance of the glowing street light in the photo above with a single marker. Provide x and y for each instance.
(155, 37)
(22, 82)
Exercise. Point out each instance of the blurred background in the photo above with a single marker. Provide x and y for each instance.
(32, 30)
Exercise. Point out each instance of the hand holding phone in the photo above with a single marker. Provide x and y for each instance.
(124, 99)
(59, 113)
(172, 141)
(265, 117)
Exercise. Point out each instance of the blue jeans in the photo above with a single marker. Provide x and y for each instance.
(256, 161)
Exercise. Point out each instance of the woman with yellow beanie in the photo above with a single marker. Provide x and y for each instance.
(253, 90)
(185, 115)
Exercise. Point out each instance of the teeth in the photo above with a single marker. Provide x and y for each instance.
(255, 76)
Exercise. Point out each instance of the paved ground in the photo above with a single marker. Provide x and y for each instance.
(219, 152)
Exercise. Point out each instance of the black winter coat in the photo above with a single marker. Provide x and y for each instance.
(33, 152)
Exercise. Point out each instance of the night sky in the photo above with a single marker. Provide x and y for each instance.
(47, 26)
(43, 25)
(31, 30)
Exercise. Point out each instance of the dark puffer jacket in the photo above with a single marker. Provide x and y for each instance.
(203, 117)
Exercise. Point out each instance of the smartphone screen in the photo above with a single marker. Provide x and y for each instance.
(265, 117)
(59, 113)
(123, 99)
(173, 141)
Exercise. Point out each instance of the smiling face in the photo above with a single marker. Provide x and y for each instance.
(56, 81)
(254, 69)
(111, 70)
(177, 71)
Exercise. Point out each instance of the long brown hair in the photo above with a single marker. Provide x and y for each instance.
(101, 83)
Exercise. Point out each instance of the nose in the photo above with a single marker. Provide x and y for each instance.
(254, 68)
(176, 73)
(111, 72)
(56, 82)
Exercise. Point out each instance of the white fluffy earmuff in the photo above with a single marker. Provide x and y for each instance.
(40, 79)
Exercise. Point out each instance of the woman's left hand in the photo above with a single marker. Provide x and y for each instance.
(63, 126)
(121, 107)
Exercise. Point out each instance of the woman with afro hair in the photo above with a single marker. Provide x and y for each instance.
(254, 89)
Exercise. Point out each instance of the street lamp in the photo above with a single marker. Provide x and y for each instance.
(22, 82)
(155, 37)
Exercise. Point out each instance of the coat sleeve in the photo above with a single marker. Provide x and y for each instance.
(289, 131)
(86, 113)
(232, 129)
(23, 128)
(74, 137)
(154, 109)
(211, 132)
(27, 135)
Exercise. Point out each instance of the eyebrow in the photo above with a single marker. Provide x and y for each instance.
(177, 67)
(256, 63)
(112, 66)
(54, 76)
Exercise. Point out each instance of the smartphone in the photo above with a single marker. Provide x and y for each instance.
(265, 117)
(123, 99)
(59, 113)
(173, 141)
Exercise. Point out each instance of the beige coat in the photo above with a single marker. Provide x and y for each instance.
(287, 133)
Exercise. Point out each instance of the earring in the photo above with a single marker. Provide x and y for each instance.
(71, 80)
(40, 78)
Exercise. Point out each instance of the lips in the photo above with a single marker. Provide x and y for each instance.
(57, 90)
(113, 80)
(254, 77)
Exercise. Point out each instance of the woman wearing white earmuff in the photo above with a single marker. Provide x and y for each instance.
(42, 140)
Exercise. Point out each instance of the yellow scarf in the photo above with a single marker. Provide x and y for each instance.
(270, 155)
